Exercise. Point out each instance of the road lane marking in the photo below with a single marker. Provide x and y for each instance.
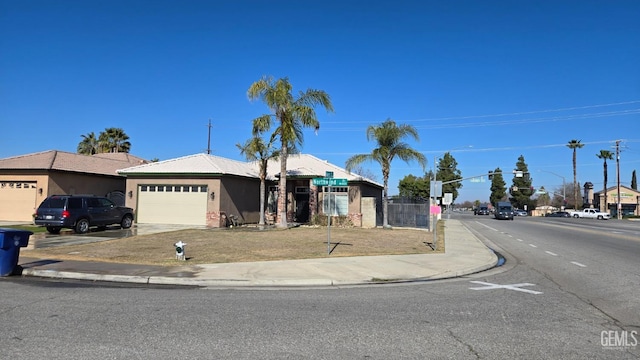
(551, 253)
(515, 287)
(487, 226)
(520, 240)
(577, 263)
(533, 246)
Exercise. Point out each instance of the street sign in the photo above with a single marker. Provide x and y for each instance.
(479, 179)
(320, 181)
(329, 182)
(436, 189)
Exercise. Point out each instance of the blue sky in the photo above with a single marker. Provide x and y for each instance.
(488, 80)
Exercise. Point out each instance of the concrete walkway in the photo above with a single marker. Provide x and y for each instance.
(464, 254)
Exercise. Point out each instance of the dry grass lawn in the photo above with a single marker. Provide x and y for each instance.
(249, 244)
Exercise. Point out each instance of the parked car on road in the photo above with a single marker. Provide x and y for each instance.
(558, 214)
(520, 212)
(80, 213)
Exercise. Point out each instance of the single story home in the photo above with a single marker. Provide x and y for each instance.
(26, 180)
(207, 190)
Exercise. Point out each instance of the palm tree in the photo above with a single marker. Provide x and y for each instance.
(291, 114)
(389, 138)
(89, 144)
(255, 149)
(575, 144)
(114, 140)
(605, 155)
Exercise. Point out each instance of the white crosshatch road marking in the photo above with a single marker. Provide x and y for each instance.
(516, 287)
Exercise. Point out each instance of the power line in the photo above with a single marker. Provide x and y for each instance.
(508, 122)
(497, 115)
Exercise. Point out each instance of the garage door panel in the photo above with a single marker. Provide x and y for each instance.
(188, 208)
(17, 201)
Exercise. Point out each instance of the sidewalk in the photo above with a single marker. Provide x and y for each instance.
(464, 254)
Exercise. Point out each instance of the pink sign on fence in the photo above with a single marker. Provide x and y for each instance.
(435, 209)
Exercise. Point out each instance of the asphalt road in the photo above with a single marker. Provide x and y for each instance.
(576, 304)
(596, 260)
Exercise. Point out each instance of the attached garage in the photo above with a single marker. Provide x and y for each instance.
(172, 204)
(18, 200)
(26, 180)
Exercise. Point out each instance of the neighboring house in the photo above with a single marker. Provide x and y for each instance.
(26, 180)
(206, 190)
(629, 201)
(543, 210)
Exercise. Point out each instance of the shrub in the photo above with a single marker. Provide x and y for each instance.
(340, 220)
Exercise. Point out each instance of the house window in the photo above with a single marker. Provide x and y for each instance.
(143, 188)
(160, 188)
(203, 188)
(152, 188)
(195, 188)
(335, 203)
(169, 188)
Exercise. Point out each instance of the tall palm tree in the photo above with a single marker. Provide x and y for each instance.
(605, 155)
(89, 144)
(574, 145)
(255, 149)
(291, 114)
(114, 140)
(388, 136)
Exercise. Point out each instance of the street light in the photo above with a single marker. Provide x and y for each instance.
(564, 194)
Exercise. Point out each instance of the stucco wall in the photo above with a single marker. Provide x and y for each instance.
(75, 183)
(241, 197)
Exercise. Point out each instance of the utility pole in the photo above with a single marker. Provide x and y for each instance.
(434, 218)
(209, 139)
(619, 205)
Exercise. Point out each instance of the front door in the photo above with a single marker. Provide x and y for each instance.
(302, 208)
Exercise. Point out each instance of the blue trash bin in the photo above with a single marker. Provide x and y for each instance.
(11, 240)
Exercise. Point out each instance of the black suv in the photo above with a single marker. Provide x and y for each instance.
(80, 212)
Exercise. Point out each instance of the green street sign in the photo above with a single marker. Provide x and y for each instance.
(320, 181)
(337, 182)
(329, 182)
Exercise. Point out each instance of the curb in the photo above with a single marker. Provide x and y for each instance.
(318, 282)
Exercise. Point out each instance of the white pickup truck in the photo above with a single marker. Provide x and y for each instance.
(590, 214)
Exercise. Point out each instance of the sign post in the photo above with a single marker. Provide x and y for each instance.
(327, 182)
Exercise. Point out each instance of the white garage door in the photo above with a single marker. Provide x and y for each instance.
(172, 204)
(17, 200)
